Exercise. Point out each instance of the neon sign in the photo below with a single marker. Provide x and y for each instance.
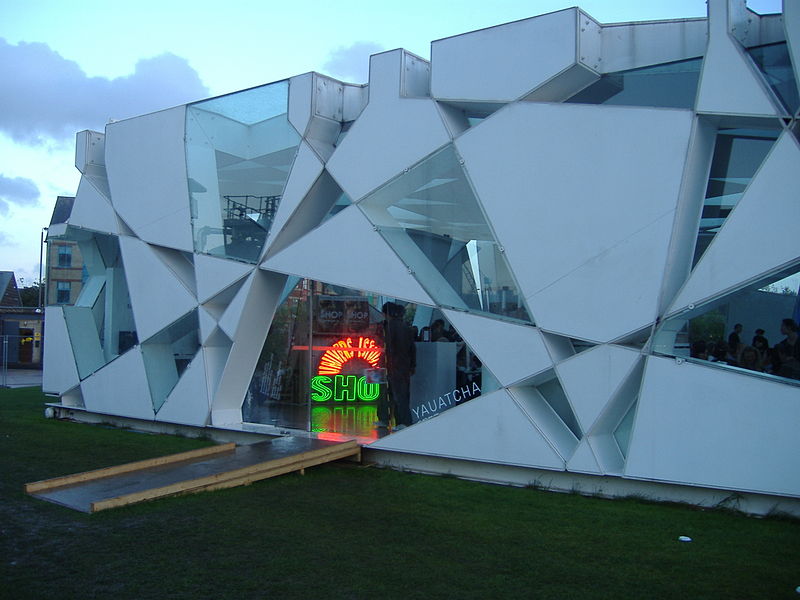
(331, 384)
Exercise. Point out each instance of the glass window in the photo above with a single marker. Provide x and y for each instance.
(167, 354)
(64, 256)
(62, 209)
(63, 289)
(239, 150)
(343, 361)
(100, 323)
(672, 85)
(774, 62)
(738, 153)
(753, 330)
(432, 219)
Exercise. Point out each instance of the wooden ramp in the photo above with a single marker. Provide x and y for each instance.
(212, 468)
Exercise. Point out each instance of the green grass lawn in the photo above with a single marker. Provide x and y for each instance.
(358, 532)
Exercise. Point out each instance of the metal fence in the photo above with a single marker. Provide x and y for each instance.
(20, 360)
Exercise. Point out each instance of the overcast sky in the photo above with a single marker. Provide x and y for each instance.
(69, 66)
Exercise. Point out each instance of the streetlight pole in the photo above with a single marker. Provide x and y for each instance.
(41, 246)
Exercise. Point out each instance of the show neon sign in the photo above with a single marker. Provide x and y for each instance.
(331, 384)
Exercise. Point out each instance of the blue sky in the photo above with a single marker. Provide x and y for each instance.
(69, 66)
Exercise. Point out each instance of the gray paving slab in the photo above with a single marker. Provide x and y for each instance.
(81, 496)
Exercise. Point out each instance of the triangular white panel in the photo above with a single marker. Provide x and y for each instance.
(712, 427)
(233, 314)
(216, 305)
(328, 254)
(560, 347)
(583, 461)
(490, 428)
(60, 373)
(120, 388)
(91, 210)
(305, 169)
(301, 92)
(791, 23)
(454, 118)
(590, 379)
(588, 205)
(146, 166)
(181, 264)
(728, 83)
(207, 324)
(770, 205)
(150, 310)
(188, 403)
(511, 352)
(215, 274)
(391, 134)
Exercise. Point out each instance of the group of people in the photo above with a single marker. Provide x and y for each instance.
(783, 359)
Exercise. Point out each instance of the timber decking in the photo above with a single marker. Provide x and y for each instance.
(210, 469)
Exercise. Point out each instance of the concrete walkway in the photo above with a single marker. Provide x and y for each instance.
(17, 378)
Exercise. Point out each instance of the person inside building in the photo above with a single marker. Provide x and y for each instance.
(735, 340)
(400, 363)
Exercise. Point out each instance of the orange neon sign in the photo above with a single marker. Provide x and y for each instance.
(345, 350)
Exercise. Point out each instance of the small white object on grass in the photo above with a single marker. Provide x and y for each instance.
(684, 538)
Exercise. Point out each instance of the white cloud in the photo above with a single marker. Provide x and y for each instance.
(53, 97)
(351, 63)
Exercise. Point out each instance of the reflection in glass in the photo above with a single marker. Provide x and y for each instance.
(331, 360)
(100, 324)
(752, 329)
(431, 218)
(672, 85)
(239, 150)
(774, 62)
(167, 354)
(738, 153)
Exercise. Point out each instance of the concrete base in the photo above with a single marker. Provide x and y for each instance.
(587, 485)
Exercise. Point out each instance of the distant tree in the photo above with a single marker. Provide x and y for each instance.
(30, 295)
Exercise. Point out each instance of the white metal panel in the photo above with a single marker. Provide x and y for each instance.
(415, 79)
(391, 134)
(91, 210)
(181, 264)
(207, 324)
(590, 41)
(511, 352)
(490, 428)
(560, 347)
(215, 355)
(707, 426)
(586, 203)
(632, 45)
(120, 388)
(769, 205)
(260, 304)
(729, 82)
(791, 24)
(149, 283)
(90, 150)
(506, 62)
(215, 274)
(301, 89)
(613, 293)
(564, 84)
(146, 165)
(231, 318)
(591, 378)
(346, 250)
(305, 169)
(355, 99)
(455, 119)
(60, 373)
(583, 460)
(188, 401)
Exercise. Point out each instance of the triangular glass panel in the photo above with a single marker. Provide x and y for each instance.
(774, 62)
(751, 330)
(671, 85)
(432, 219)
(167, 354)
(239, 150)
(738, 153)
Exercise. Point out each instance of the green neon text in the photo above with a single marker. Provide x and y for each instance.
(343, 388)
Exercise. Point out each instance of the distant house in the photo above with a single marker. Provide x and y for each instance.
(20, 327)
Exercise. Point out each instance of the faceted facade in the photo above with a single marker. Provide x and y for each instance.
(559, 246)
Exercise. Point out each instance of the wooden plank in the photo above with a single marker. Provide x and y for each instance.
(47, 484)
(235, 477)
